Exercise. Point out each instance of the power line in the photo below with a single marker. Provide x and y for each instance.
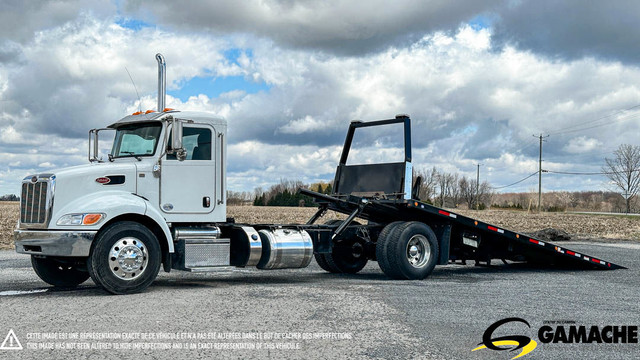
(515, 183)
(588, 173)
(561, 173)
(592, 127)
(562, 130)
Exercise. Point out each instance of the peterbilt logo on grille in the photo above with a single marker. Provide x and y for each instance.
(34, 179)
(103, 180)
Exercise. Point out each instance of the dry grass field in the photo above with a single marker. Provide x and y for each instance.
(9, 214)
(579, 226)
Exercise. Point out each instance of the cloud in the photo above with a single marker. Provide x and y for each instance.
(21, 20)
(582, 144)
(472, 99)
(336, 27)
(302, 125)
(73, 77)
(572, 29)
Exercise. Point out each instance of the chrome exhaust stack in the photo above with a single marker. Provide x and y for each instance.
(162, 82)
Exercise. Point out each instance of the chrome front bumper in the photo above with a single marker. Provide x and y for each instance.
(54, 243)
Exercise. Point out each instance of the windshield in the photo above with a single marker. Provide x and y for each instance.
(136, 140)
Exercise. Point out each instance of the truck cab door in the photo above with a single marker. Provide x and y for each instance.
(189, 186)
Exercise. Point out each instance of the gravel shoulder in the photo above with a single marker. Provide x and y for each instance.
(441, 317)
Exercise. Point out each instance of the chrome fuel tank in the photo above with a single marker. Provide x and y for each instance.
(285, 248)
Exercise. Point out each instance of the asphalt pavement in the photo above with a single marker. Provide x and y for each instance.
(310, 314)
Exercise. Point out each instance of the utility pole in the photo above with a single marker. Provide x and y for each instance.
(540, 173)
(478, 188)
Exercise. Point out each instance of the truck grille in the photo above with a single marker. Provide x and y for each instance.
(33, 202)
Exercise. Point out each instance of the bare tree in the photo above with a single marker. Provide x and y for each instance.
(470, 193)
(448, 184)
(467, 191)
(429, 183)
(624, 171)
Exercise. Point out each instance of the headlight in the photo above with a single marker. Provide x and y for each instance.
(80, 219)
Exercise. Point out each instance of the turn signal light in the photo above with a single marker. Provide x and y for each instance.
(137, 113)
(90, 219)
(149, 111)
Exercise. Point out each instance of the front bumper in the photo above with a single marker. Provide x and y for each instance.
(54, 243)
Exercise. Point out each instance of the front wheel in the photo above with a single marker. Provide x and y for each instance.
(59, 273)
(125, 258)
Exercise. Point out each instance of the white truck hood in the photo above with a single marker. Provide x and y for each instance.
(75, 182)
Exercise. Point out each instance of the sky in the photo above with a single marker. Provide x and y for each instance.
(478, 78)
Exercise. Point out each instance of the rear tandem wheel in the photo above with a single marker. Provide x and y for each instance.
(409, 251)
(347, 255)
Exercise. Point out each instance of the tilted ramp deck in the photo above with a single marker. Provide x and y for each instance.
(383, 193)
(494, 242)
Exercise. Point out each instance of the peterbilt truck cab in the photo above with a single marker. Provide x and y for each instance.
(156, 200)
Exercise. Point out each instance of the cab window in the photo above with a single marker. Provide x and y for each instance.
(197, 143)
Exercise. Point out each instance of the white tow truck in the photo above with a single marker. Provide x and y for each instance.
(159, 200)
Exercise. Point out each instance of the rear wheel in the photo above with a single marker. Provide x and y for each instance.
(321, 259)
(411, 251)
(125, 258)
(322, 262)
(59, 273)
(381, 245)
(347, 255)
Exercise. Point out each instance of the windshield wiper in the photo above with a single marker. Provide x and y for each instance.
(132, 154)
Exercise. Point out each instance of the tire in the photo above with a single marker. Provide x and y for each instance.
(381, 245)
(412, 251)
(125, 258)
(321, 259)
(347, 256)
(322, 262)
(57, 273)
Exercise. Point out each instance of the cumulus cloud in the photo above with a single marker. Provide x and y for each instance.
(572, 28)
(470, 100)
(20, 20)
(339, 27)
(73, 76)
(582, 144)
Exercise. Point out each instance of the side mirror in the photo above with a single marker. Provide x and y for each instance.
(176, 139)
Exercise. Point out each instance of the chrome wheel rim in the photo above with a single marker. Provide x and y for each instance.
(128, 258)
(418, 251)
